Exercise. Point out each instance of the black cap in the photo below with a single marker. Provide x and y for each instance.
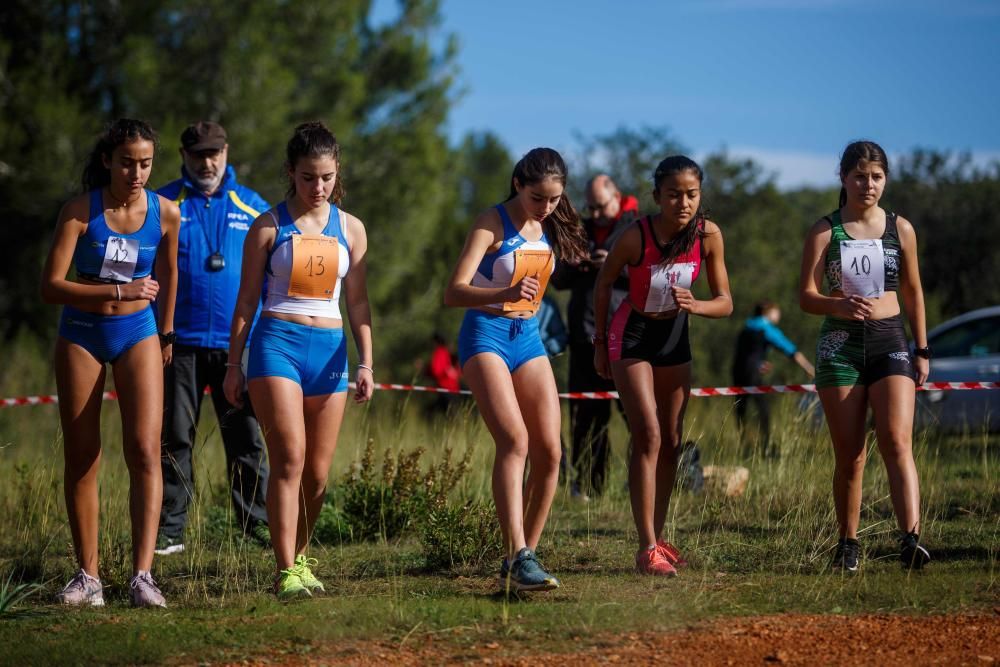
(204, 136)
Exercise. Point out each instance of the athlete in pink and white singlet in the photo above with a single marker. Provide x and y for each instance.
(646, 348)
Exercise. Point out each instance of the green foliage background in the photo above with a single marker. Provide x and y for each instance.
(67, 68)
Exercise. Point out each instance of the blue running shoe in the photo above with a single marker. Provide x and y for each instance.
(525, 573)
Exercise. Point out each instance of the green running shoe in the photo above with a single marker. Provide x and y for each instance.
(302, 568)
(288, 585)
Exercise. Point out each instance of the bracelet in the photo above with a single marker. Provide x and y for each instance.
(232, 365)
(118, 291)
(367, 368)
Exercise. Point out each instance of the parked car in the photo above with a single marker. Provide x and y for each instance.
(965, 349)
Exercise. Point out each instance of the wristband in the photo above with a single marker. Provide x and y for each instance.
(232, 365)
(598, 340)
(367, 368)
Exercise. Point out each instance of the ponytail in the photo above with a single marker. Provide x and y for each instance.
(562, 226)
(122, 131)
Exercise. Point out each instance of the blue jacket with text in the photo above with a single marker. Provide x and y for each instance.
(210, 255)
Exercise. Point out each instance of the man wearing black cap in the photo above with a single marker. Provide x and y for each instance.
(216, 214)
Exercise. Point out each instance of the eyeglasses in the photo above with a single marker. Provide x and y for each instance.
(597, 208)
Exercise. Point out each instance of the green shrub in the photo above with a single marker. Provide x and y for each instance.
(461, 535)
(386, 503)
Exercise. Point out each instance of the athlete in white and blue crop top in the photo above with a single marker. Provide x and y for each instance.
(113, 235)
(500, 278)
(309, 251)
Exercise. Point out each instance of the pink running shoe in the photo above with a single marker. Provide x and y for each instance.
(652, 562)
(671, 553)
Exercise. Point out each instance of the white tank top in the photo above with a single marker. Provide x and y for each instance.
(497, 268)
(279, 267)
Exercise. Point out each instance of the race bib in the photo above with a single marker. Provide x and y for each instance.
(534, 263)
(862, 268)
(120, 255)
(662, 277)
(314, 266)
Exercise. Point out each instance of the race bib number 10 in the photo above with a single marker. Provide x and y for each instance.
(314, 266)
(120, 255)
(534, 263)
(862, 268)
(662, 278)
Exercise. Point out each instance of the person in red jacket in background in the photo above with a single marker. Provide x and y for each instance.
(610, 213)
(445, 373)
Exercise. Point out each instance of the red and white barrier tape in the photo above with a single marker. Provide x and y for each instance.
(700, 391)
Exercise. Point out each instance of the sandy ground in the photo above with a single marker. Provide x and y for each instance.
(766, 640)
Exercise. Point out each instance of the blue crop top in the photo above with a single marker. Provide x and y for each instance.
(497, 268)
(104, 255)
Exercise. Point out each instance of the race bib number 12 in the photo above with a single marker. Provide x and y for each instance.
(120, 255)
(862, 268)
(314, 266)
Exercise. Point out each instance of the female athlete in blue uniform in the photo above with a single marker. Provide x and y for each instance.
(307, 248)
(500, 277)
(113, 235)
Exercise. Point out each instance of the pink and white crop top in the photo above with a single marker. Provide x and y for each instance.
(497, 268)
(282, 293)
(651, 279)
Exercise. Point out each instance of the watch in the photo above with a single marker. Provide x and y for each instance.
(168, 338)
(598, 340)
(924, 352)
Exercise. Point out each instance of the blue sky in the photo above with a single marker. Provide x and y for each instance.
(788, 82)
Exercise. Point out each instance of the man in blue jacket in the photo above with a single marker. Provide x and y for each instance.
(216, 214)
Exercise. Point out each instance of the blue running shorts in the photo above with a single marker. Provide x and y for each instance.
(106, 337)
(514, 340)
(315, 358)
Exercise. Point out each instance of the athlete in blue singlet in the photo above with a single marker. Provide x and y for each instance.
(500, 277)
(113, 235)
(297, 369)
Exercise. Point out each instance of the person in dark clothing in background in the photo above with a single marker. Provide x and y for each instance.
(750, 364)
(610, 213)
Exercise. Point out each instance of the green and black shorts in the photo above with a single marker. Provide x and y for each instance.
(850, 352)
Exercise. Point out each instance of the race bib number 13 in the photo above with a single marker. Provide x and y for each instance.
(862, 268)
(314, 266)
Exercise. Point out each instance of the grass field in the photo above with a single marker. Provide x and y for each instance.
(765, 552)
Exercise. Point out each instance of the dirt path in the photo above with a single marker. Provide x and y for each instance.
(769, 640)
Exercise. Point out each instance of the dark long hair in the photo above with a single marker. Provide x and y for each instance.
(562, 226)
(314, 139)
(857, 152)
(682, 243)
(121, 131)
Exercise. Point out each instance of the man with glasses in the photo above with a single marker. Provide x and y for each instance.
(610, 213)
(216, 214)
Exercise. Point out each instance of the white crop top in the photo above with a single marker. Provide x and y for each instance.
(283, 294)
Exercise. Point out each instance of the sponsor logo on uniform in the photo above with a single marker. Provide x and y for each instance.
(337, 376)
(242, 226)
(511, 241)
(185, 218)
(237, 215)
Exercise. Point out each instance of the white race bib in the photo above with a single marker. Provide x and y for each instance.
(120, 255)
(862, 268)
(662, 277)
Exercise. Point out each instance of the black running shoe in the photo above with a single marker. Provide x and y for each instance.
(912, 554)
(846, 556)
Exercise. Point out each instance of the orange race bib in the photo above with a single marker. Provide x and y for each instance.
(314, 266)
(534, 263)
